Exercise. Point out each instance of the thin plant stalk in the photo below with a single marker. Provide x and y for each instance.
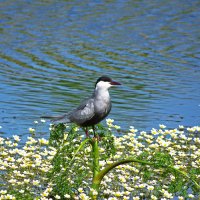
(96, 167)
(98, 175)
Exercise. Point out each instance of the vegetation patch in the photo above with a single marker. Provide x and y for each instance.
(161, 164)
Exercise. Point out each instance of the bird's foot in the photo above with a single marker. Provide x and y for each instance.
(97, 138)
(86, 133)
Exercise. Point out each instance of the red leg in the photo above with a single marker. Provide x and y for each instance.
(86, 132)
(96, 136)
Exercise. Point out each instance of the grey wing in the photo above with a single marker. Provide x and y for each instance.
(83, 113)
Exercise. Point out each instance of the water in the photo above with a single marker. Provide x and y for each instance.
(52, 52)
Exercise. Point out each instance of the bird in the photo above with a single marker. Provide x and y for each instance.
(91, 111)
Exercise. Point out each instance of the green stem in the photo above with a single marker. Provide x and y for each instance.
(186, 175)
(96, 167)
(98, 175)
(103, 172)
(79, 148)
(98, 178)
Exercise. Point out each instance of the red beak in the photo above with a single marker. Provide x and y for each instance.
(115, 83)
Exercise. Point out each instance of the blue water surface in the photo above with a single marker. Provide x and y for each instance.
(52, 52)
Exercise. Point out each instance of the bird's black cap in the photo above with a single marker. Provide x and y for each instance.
(104, 78)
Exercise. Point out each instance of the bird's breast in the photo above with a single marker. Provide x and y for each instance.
(102, 107)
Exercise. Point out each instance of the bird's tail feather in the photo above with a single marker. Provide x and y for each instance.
(57, 119)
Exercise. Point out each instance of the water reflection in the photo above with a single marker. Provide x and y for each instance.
(52, 52)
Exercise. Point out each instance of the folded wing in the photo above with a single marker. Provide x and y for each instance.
(83, 113)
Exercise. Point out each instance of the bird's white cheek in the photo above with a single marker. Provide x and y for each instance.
(103, 84)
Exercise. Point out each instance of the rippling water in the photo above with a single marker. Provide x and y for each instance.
(52, 52)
